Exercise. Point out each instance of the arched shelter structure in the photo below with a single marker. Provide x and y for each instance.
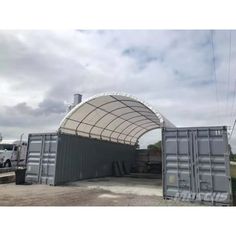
(95, 139)
(114, 117)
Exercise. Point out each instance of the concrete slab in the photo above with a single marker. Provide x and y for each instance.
(124, 185)
(115, 191)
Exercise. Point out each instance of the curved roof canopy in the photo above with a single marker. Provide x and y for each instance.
(114, 117)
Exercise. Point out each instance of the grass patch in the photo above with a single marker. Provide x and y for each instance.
(233, 175)
(233, 182)
(233, 169)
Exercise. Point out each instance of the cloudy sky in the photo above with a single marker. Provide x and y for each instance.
(180, 73)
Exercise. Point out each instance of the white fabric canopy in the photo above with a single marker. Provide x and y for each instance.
(114, 117)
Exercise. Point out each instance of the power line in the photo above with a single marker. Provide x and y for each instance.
(233, 103)
(214, 74)
(232, 112)
(232, 129)
(228, 81)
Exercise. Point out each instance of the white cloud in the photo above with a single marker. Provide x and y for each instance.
(172, 70)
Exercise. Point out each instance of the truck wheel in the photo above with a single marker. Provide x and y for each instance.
(7, 164)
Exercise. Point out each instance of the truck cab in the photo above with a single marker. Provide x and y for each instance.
(12, 153)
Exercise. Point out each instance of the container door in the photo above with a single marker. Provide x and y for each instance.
(196, 165)
(41, 158)
(178, 181)
(212, 165)
(34, 156)
(48, 159)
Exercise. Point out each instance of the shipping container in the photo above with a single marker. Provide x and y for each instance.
(196, 164)
(57, 158)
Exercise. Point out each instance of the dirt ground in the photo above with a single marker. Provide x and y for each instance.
(112, 191)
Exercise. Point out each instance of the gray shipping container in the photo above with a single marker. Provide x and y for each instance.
(196, 164)
(56, 158)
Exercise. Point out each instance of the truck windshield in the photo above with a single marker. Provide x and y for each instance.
(8, 147)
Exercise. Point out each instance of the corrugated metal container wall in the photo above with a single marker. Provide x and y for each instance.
(196, 164)
(58, 158)
(83, 158)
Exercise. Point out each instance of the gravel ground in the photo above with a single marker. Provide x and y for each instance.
(96, 192)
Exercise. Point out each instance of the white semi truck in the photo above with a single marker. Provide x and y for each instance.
(12, 153)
